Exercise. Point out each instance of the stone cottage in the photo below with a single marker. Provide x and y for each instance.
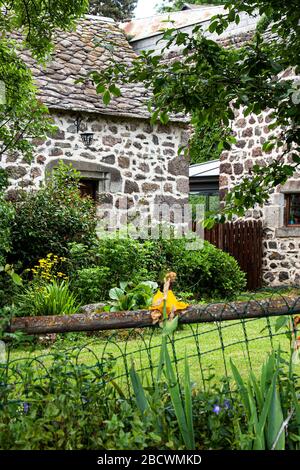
(124, 161)
(281, 216)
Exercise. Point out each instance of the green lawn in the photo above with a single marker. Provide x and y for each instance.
(202, 343)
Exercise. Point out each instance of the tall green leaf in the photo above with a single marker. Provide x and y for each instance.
(275, 421)
(174, 391)
(188, 402)
(141, 400)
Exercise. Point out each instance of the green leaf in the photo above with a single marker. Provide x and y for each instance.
(170, 326)
(213, 26)
(188, 401)
(106, 98)
(164, 118)
(275, 420)
(242, 388)
(100, 88)
(123, 285)
(174, 391)
(280, 322)
(115, 293)
(115, 90)
(16, 279)
(141, 400)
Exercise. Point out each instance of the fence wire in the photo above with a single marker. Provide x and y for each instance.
(106, 357)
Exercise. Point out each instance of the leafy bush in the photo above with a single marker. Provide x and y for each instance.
(7, 214)
(132, 298)
(128, 259)
(95, 268)
(207, 272)
(70, 408)
(49, 218)
(54, 298)
(91, 284)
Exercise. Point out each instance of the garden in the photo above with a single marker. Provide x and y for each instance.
(112, 342)
(217, 385)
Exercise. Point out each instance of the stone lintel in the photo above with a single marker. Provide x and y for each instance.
(291, 187)
(287, 232)
(92, 170)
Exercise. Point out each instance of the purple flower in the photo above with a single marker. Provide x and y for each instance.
(25, 407)
(216, 409)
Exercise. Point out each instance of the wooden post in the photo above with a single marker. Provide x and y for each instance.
(142, 318)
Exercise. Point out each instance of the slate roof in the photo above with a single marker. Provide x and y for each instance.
(75, 55)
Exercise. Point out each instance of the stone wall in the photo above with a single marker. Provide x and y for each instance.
(135, 159)
(281, 262)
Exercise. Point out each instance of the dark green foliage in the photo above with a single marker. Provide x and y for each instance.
(48, 219)
(7, 290)
(22, 115)
(206, 272)
(119, 10)
(71, 408)
(207, 142)
(209, 82)
(6, 219)
(91, 284)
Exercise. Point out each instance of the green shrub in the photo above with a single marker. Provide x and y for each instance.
(91, 284)
(49, 218)
(128, 259)
(207, 272)
(128, 297)
(7, 290)
(70, 407)
(96, 268)
(7, 214)
(54, 298)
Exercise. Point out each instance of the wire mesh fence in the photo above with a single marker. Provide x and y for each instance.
(209, 345)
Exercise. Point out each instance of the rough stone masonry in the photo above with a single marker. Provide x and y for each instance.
(281, 245)
(135, 165)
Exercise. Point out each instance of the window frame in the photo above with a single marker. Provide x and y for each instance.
(287, 209)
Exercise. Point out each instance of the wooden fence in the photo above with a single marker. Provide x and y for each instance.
(244, 241)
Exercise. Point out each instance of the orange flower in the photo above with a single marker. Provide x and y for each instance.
(172, 303)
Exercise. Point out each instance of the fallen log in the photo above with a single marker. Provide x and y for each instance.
(216, 312)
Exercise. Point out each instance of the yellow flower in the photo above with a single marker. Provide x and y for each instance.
(172, 303)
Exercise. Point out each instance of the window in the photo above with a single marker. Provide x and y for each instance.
(292, 209)
(88, 188)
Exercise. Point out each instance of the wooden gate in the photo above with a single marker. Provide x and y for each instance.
(244, 241)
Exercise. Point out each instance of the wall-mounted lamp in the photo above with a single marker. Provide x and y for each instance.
(86, 137)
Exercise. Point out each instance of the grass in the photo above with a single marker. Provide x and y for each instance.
(209, 348)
